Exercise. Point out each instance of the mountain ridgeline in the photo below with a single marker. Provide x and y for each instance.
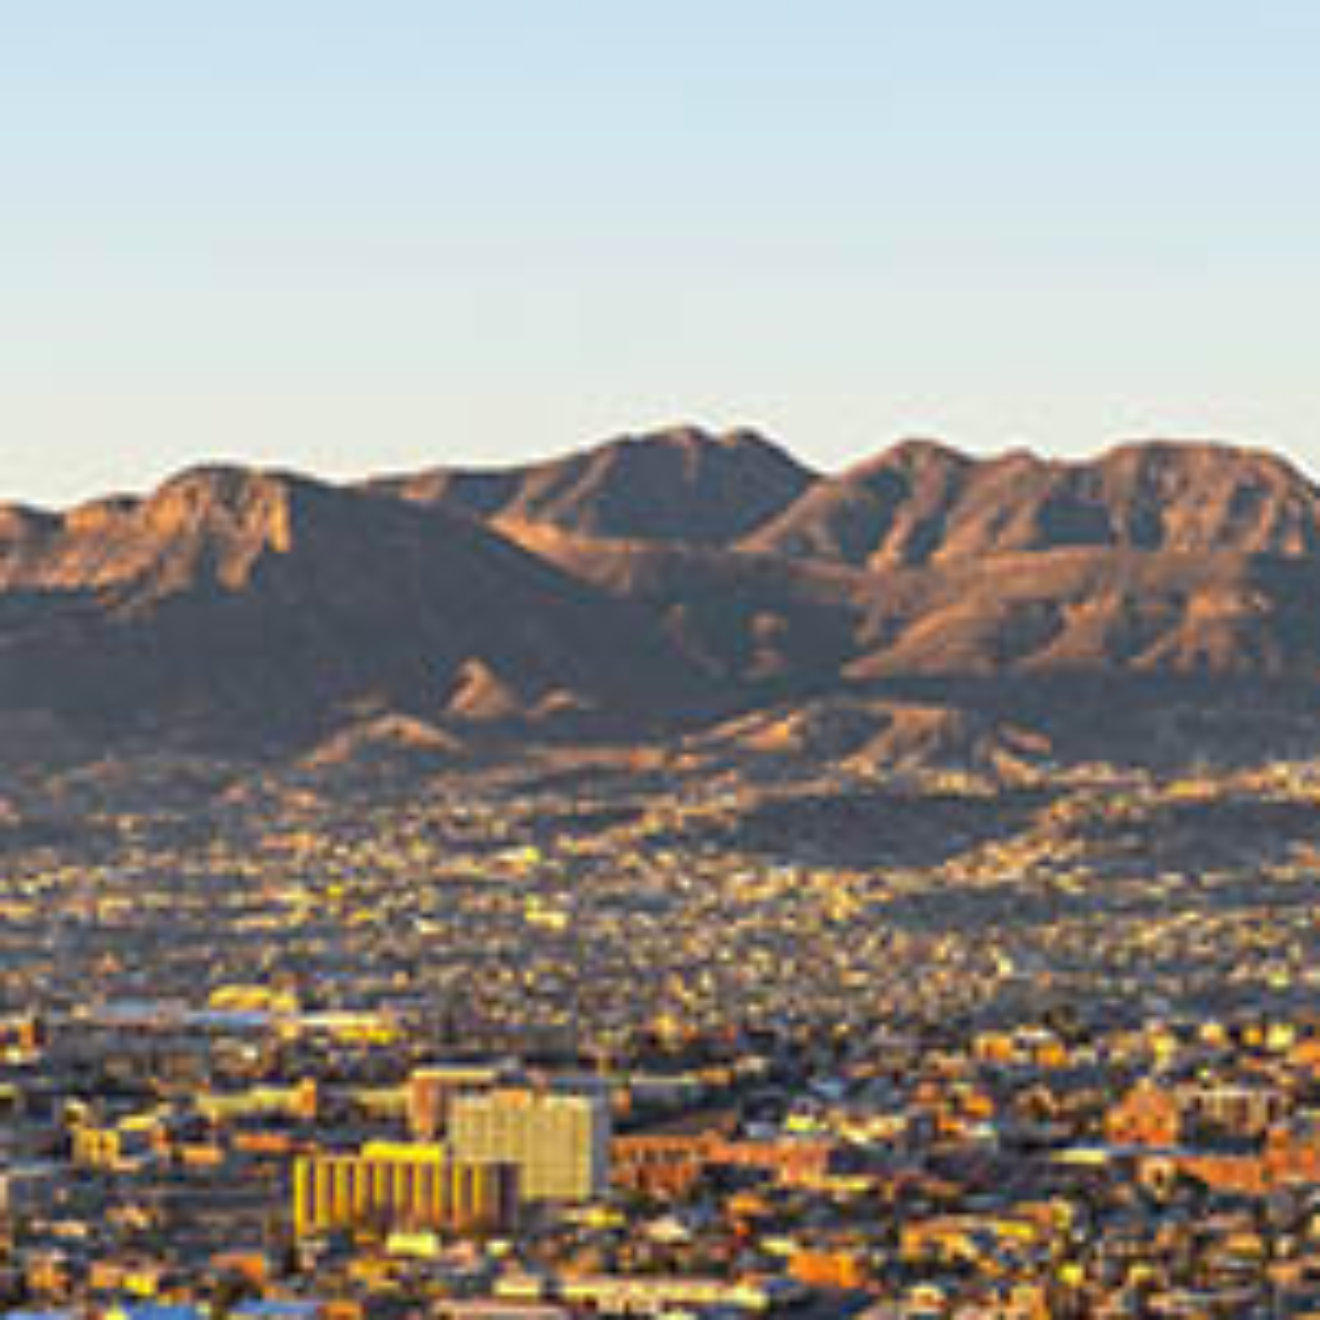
(683, 586)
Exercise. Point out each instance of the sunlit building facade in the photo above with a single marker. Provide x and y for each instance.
(403, 1188)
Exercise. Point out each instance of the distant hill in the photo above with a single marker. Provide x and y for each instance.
(922, 503)
(242, 603)
(681, 485)
(950, 606)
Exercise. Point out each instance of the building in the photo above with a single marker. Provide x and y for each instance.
(29, 1189)
(431, 1092)
(389, 1187)
(559, 1141)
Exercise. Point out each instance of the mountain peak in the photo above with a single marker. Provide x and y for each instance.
(923, 502)
(915, 454)
(235, 502)
(678, 484)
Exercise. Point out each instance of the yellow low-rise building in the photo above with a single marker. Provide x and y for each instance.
(391, 1187)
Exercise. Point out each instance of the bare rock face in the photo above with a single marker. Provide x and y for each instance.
(481, 694)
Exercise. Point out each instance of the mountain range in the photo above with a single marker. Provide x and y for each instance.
(682, 586)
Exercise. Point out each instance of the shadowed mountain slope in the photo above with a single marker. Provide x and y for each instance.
(254, 599)
(681, 485)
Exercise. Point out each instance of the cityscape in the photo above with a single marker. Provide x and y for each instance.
(578, 1035)
(659, 660)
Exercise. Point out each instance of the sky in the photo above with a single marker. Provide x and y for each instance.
(378, 235)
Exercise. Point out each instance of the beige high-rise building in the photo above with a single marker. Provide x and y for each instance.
(559, 1141)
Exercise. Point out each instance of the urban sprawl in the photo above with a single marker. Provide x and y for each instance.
(599, 1036)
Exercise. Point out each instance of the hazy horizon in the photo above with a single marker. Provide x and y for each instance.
(347, 243)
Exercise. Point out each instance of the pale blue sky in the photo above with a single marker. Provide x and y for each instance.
(385, 234)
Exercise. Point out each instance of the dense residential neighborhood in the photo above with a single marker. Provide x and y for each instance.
(924, 1044)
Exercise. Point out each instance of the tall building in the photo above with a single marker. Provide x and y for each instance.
(391, 1187)
(559, 1141)
(431, 1092)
